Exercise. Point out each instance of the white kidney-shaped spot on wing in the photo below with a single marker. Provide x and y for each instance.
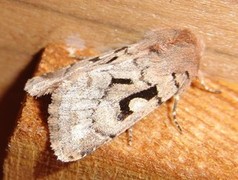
(137, 104)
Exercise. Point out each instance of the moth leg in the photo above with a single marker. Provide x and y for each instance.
(130, 136)
(204, 85)
(174, 112)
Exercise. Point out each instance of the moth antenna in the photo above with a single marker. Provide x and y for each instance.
(130, 136)
(174, 112)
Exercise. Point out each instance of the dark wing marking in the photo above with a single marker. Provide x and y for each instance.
(124, 103)
(95, 59)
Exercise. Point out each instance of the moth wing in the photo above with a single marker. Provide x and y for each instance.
(71, 117)
(89, 110)
(48, 82)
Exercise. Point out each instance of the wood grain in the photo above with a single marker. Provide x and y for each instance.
(207, 149)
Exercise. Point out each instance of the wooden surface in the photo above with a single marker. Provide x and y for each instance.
(206, 149)
(27, 26)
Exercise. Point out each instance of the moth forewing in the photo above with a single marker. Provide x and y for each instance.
(96, 99)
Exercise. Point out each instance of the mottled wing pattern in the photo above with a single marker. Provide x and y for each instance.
(47, 83)
(96, 99)
(91, 109)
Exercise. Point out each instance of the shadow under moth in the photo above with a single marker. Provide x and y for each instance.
(96, 99)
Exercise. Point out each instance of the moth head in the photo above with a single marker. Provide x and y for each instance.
(181, 49)
(186, 36)
(168, 37)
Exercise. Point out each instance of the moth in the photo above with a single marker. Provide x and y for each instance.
(96, 99)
